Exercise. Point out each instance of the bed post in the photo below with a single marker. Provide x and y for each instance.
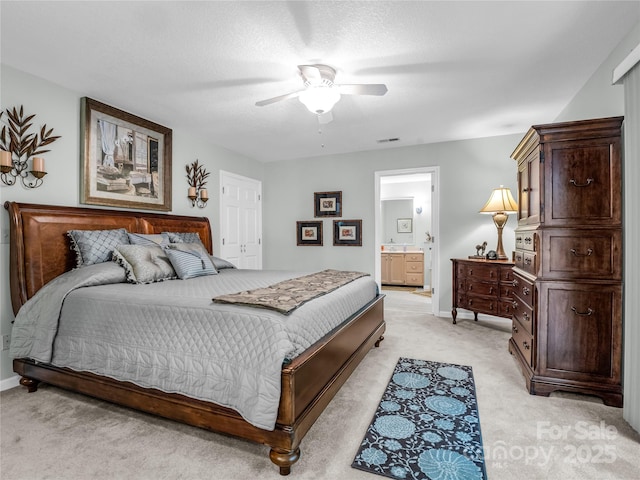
(284, 459)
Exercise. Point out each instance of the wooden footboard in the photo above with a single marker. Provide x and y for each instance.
(309, 383)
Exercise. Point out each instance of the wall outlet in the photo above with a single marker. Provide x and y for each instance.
(6, 340)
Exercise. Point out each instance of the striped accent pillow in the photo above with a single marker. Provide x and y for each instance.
(190, 260)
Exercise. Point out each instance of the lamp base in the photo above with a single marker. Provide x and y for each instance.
(500, 219)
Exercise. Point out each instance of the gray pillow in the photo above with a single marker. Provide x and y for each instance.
(190, 260)
(96, 246)
(184, 237)
(148, 239)
(144, 263)
(221, 263)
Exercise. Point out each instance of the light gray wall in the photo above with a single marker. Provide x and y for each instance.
(60, 108)
(469, 170)
(598, 98)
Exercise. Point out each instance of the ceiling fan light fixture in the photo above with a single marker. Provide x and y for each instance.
(319, 99)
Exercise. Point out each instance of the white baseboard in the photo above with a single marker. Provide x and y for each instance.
(8, 383)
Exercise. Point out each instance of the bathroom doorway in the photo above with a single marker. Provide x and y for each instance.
(406, 226)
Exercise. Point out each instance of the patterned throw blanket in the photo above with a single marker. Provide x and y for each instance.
(288, 295)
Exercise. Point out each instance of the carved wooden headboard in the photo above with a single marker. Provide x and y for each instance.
(40, 248)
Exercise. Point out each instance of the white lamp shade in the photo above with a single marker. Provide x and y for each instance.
(500, 201)
(319, 99)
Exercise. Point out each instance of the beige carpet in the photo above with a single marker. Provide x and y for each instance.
(52, 434)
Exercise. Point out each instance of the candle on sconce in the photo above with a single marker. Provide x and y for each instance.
(5, 159)
(38, 164)
(204, 195)
(192, 192)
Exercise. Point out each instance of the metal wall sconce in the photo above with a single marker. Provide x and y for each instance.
(17, 146)
(196, 177)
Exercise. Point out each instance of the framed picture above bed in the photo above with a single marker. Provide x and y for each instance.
(309, 233)
(347, 232)
(126, 160)
(328, 204)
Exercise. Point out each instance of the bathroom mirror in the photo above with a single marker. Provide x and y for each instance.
(397, 221)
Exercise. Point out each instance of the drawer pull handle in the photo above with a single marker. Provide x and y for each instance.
(527, 261)
(527, 240)
(576, 254)
(526, 291)
(576, 184)
(491, 290)
(526, 345)
(515, 329)
(515, 282)
(588, 313)
(526, 317)
(514, 305)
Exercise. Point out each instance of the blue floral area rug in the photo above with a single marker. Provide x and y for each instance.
(426, 426)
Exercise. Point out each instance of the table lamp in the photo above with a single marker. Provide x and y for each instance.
(500, 204)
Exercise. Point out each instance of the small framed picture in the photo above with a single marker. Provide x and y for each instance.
(328, 204)
(347, 232)
(309, 233)
(405, 225)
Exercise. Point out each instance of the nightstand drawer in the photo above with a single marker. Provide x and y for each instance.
(480, 272)
(507, 292)
(505, 308)
(482, 288)
(482, 305)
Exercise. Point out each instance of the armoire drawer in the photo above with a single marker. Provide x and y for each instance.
(523, 313)
(523, 288)
(582, 254)
(523, 340)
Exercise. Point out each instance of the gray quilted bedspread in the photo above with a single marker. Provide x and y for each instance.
(172, 337)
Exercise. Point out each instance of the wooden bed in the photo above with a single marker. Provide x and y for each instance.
(40, 252)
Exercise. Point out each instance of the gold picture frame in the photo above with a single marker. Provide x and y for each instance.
(126, 160)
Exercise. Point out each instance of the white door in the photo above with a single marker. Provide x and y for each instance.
(241, 220)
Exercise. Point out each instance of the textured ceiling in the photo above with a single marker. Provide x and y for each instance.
(454, 69)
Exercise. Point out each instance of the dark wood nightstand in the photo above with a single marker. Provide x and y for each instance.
(482, 286)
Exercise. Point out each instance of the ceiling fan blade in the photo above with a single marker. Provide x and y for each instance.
(269, 101)
(363, 89)
(311, 73)
(325, 118)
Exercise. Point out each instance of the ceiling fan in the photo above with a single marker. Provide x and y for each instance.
(321, 94)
